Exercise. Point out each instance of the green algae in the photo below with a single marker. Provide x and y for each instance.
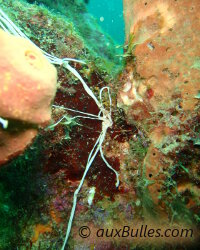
(21, 194)
(172, 144)
(139, 151)
(198, 95)
(95, 40)
(196, 64)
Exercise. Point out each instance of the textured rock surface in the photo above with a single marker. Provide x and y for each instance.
(158, 165)
(28, 85)
(36, 188)
(160, 92)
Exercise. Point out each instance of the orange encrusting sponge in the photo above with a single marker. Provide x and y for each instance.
(28, 81)
(27, 88)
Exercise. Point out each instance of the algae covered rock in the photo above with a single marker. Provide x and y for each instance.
(153, 142)
(160, 96)
(37, 187)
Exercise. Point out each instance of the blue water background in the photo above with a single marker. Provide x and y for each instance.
(109, 15)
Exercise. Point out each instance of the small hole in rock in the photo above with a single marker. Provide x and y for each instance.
(180, 106)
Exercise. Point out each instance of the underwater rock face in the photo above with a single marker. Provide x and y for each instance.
(28, 85)
(37, 188)
(160, 92)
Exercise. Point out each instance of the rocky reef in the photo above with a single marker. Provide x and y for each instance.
(153, 143)
(160, 94)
